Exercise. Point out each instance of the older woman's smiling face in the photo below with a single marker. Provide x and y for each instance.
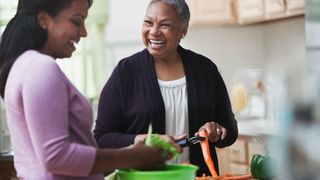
(162, 30)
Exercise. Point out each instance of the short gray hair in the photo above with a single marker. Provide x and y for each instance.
(180, 5)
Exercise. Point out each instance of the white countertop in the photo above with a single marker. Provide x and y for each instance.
(254, 127)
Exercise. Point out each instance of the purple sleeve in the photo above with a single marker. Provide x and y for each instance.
(45, 101)
(110, 124)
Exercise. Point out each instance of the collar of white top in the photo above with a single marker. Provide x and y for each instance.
(173, 83)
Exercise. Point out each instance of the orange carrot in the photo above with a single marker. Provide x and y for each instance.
(206, 154)
(239, 177)
(186, 163)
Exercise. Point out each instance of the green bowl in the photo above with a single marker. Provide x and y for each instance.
(171, 172)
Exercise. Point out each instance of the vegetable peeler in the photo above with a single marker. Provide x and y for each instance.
(190, 141)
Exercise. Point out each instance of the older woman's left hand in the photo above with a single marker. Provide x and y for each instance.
(215, 131)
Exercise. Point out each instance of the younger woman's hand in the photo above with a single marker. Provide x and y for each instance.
(171, 139)
(147, 158)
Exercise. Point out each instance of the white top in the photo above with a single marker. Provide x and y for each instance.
(174, 94)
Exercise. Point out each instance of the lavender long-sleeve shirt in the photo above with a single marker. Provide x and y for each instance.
(49, 121)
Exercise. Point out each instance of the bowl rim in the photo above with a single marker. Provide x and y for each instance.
(174, 171)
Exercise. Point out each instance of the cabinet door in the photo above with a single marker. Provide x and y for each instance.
(236, 168)
(224, 162)
(273, 7)
(295, 5)
(249, 10)
(211, 12)
(237, 152)
(255, 148)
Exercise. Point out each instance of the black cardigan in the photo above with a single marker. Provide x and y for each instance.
(132, 98)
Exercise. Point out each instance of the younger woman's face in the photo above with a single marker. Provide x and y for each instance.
(65, 29)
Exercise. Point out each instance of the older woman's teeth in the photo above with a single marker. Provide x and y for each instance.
(156, 42)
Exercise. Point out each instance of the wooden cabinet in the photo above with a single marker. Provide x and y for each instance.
(253, 11)
(240, 12)
(295, 5)
(249, 10)
(255, 148)
(237, 168)
(237, 152)
(274, 8)
(211, 12)
(279, 9)
(237, 157)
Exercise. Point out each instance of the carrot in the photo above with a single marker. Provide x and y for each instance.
(206, 154)
(186, 163)
(239, 177)
(226, 177)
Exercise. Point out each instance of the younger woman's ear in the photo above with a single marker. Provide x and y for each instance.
(43, 18)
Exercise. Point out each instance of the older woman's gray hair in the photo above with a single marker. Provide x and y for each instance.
(181, 7)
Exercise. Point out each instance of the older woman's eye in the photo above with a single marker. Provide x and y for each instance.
(147, 22)
(165, 25)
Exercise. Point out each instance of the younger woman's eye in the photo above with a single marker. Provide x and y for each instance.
(76, 22)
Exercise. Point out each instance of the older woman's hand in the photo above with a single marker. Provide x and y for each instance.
(215, 131)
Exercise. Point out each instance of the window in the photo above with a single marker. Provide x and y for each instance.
(86, 69)
(7, 11)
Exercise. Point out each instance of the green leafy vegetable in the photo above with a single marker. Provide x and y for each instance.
(154, 140)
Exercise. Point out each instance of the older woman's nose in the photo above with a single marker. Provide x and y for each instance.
(155, 30)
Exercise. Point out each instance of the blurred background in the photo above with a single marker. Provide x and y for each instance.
(267, 51)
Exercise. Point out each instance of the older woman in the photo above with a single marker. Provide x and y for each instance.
(176, 90)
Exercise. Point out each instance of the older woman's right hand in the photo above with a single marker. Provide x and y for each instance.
(147, 158)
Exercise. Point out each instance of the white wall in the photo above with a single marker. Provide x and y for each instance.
(229, 48)
(285, 44)
(253, 46)
(125, 20)
(123, 29)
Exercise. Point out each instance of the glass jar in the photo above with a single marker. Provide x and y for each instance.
(248, 94)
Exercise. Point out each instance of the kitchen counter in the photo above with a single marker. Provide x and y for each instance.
(256, 127)
(6, 166)
(6, 156)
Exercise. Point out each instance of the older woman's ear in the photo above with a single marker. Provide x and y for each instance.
(184, 29)
(183, 34)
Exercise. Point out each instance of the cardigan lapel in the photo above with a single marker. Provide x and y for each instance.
(193, 112)
(158, 123)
